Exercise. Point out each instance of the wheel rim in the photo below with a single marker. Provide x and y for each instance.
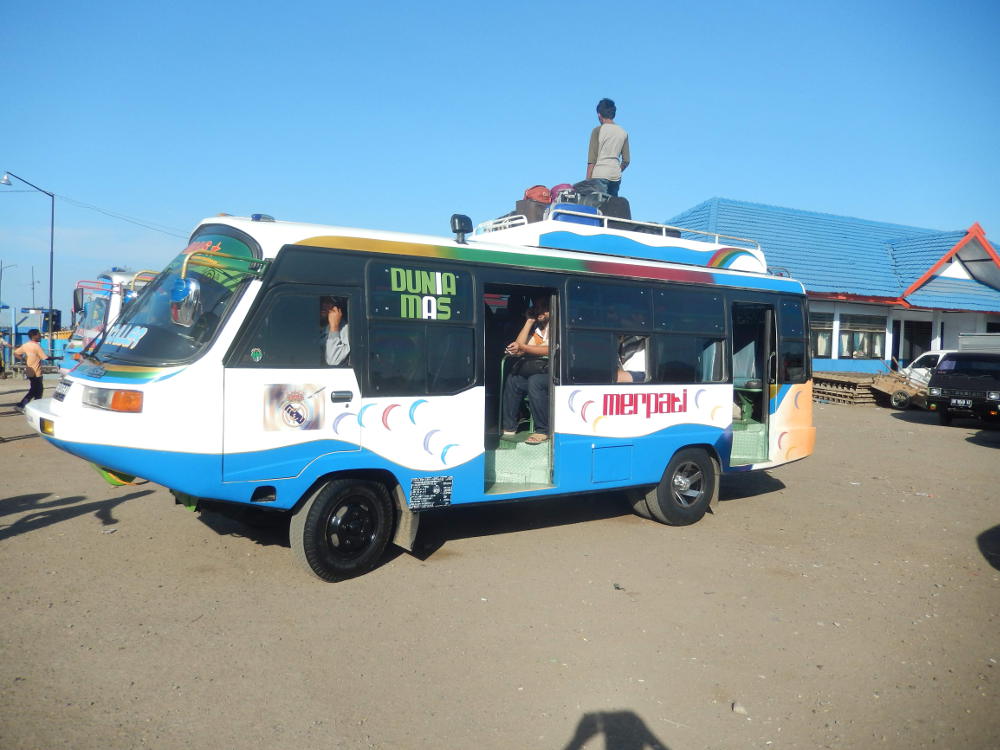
(350, 527)
(899, 399)
(687, 484)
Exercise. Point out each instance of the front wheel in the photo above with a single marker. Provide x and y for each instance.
(687, 488)
(342, 529)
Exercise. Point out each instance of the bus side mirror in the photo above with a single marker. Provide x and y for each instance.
(185, 302)
(77, 300)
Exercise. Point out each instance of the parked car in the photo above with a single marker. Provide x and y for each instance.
(908, 385)
(966, 384)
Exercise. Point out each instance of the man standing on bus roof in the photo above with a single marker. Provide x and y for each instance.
(34, 355)
(608, 155)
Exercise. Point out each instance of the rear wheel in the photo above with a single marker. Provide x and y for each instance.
(899, 399)
(687, 489)
(342, 529)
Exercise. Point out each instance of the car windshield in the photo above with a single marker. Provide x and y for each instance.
(167, 326)
(971, 364)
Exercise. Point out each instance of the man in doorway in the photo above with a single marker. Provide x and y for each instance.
(608, 155)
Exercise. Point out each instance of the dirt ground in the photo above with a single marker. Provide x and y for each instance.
(851, 600)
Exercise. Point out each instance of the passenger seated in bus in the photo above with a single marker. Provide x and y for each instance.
(529, 374)
(333, 319)
(632, 359)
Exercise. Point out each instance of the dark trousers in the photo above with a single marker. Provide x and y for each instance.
(34, 390)
(537, 388)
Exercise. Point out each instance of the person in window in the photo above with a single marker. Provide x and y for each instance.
(529, 374)
(631, 359)
(333, 319)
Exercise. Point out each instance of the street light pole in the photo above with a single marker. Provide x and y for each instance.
(5, 180)
(3, 356)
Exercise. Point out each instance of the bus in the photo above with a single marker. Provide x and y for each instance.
(214, 383)
(96, 303)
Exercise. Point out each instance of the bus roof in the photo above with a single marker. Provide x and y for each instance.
(545, 245)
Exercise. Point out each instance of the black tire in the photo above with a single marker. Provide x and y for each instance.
(944, 417)
(638, 500)
(342, 529)
(900, 400)
(687, 489)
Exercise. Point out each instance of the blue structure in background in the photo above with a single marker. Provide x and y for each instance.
(877, 291)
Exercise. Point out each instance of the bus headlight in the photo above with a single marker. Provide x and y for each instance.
(993, 395)
(934, 391)
(113, 400)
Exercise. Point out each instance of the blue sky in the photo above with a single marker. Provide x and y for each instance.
(396, 115)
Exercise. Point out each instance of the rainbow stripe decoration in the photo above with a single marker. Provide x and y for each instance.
(723, 258)
(107, 372)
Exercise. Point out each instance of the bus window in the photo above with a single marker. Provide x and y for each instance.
(688, 359)
(298, 329)
(792, 364)
(681, 310)
(592, 357)
(421, 359)
(596, 305)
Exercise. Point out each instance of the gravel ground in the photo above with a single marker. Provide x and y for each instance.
(848, 600)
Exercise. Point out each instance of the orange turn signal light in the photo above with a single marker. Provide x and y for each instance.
(126, 401)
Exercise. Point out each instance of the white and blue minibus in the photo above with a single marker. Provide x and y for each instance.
(217, 383)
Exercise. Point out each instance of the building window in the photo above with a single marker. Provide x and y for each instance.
(862, 337)
(821, 334)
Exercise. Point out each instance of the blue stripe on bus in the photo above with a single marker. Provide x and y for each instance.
(578, 466)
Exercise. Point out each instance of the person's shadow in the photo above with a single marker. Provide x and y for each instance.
(622, 730)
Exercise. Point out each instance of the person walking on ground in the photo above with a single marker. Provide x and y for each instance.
(4, 346)
(608, 155)
(34, 355)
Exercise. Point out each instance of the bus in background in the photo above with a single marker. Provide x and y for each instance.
(218, 382)
(98, 303)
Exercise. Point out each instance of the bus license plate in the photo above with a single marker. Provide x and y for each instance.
(61, 389)
(961, 403)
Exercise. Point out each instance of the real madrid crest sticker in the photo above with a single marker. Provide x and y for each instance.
(295, 410)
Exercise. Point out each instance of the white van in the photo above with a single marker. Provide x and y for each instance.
(918, 372)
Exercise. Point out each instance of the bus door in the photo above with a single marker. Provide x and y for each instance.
(753, 371)
(518, 459)
(291, 391)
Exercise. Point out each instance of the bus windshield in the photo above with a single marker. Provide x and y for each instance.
(203, 283)
(95, 314)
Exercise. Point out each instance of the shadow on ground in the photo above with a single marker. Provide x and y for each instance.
(443, 525)
(40, 513)
(989, 546)
(621, 730)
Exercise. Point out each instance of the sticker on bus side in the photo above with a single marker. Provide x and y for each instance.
(430, 492)
(293, 407)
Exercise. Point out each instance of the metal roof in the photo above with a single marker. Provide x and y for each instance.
(845, 254)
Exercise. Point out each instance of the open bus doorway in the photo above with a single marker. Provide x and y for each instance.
(514, 462)
(753, 373)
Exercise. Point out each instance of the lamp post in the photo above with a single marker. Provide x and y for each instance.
(3, 356)
(5, 180)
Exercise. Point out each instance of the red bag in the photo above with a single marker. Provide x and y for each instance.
(538, 193)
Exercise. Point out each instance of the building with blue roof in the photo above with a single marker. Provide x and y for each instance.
(877, 290)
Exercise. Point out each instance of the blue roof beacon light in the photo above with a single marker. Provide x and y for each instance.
(261, 217)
